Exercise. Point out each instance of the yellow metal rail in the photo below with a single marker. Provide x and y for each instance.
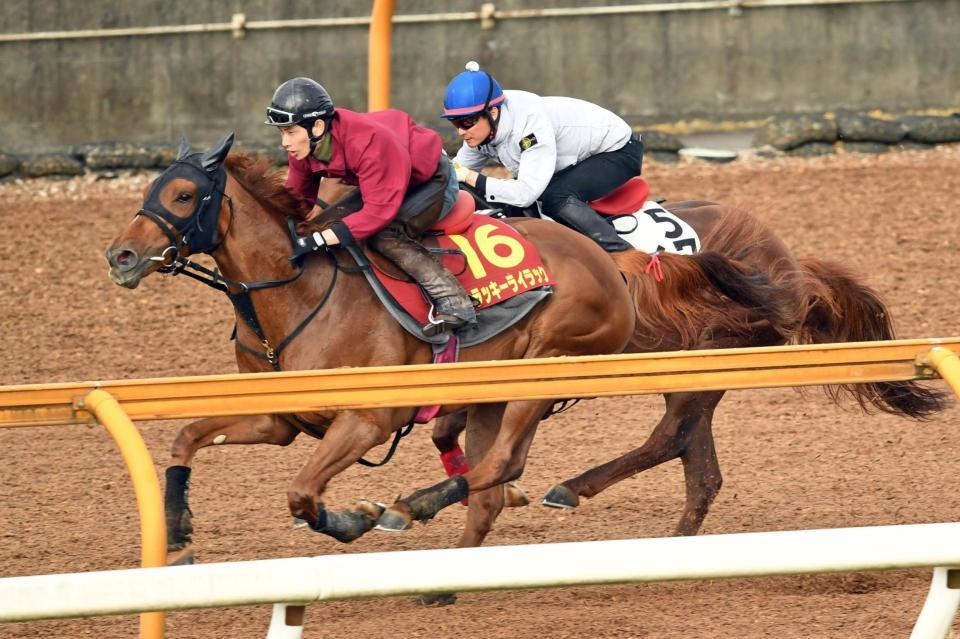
(153, 533)
(947, 364)
(115, 403)
(451, 384)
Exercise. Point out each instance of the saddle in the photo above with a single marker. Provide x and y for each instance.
(626, 198)
(645, 224)
(497, 266)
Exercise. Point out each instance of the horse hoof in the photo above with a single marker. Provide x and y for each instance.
(393, 521)
(181, 557)
(444, 599)
(344, 526)
(372, 508)
(299, 523)
(560, 497)
(514, 496)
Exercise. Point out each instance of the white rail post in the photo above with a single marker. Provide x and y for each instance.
(286, 622)
(940, 608)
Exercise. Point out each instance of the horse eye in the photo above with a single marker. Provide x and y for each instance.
(184, 197)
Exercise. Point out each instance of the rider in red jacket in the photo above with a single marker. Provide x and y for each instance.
(405, 181)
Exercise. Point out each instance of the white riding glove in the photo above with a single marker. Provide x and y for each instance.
(462, 171)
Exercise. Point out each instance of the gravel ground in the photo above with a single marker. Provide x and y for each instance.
(789, 461)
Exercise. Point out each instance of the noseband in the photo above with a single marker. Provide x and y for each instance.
(197, 231)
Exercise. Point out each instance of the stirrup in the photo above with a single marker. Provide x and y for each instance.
(436, 325)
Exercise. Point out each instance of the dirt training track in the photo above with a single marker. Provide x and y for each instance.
(789, 462)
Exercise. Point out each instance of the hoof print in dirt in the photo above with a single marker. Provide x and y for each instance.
(443, 599)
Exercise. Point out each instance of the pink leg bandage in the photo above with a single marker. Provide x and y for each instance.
(455, 464)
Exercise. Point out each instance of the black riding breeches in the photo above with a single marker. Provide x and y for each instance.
(595, 177)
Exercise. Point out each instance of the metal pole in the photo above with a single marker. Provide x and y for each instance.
(286, 622)
(487, 20)
(478, 382)
(153, 532)
(378, 65)
(947, 364)
(332, 577)
(939, 609)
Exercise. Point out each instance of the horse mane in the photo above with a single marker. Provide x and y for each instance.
(266, 185)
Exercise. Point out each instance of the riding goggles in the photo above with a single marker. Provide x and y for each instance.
(277, 117)
(465, 123)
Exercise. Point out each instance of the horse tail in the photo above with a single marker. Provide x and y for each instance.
(684, 294)
(843, 309)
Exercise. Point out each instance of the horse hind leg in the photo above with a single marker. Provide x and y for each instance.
(445, 435)
(701, 474)
(503, 462)
(684, 432)
(255, 429)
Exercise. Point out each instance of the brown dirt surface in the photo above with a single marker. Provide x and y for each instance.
(789, 461)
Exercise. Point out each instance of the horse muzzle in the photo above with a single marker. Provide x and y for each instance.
(127, 268)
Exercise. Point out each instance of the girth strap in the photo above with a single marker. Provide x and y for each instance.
(311, 429)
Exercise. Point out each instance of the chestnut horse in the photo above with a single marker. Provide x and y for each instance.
(833, 306)
(237, 212)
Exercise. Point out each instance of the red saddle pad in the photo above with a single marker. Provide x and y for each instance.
(494, 262)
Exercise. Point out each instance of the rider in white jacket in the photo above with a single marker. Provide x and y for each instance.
(561, 151)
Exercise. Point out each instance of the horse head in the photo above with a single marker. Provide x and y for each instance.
(181, 214)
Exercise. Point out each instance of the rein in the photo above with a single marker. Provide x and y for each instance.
(200, 232)
(243, 304)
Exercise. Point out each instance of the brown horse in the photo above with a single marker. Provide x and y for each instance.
(326, 313)
(829, 304)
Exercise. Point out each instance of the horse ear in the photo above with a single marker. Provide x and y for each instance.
(184, 149)
(212, 159)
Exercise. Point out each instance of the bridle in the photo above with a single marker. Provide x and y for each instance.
(198, 231)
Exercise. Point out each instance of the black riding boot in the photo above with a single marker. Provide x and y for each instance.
(452, 307)
(580, 217)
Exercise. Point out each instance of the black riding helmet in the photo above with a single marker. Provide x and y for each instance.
(300, 101)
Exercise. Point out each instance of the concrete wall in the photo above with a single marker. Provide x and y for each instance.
(647, 67)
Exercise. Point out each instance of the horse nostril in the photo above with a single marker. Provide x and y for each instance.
(124, 259)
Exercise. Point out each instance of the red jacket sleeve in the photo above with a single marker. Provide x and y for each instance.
(302, 181)
(383, 168)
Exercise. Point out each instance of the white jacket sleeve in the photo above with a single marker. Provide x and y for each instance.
(538, 160)
(471, 158)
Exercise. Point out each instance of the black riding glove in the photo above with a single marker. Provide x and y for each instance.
(307, 244)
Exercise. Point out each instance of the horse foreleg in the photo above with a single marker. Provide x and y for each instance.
(482, 425)
(483, 428)
(348, 438)
(254, 429)
(687, 418)
(503, 462)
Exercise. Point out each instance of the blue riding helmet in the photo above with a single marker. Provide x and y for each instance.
(471, 92)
